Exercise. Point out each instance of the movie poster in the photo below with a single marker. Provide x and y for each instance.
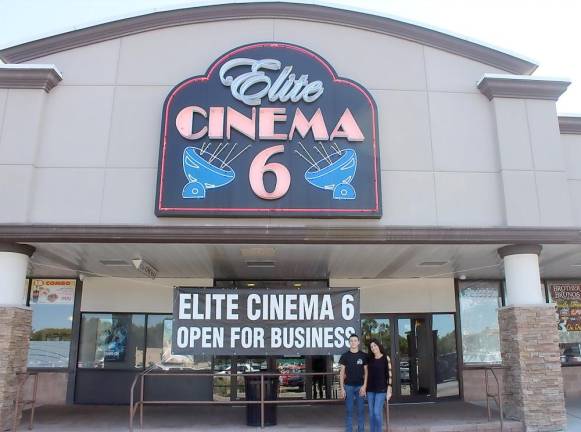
(567, 296)
(111, 340)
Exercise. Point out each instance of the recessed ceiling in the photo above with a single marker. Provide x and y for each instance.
(292, 262)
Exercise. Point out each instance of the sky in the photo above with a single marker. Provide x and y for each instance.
(547, 32)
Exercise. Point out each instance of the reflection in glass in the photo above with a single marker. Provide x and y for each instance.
(50, 340)
(159, 329)
(403, 338)
(248, 365)
(570, 353)
(375, 328)
(292, 379)
(479, 302)
(112, 341)
(446, 360)
(223, 381)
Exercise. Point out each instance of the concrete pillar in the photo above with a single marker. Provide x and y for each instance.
(15, 324)
(529, 343)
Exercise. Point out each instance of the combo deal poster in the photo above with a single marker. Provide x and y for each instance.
(52, 291)
(266, 322)
(567, 296)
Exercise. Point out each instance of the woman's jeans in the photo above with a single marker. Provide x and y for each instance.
(375, 402)
(351, 397)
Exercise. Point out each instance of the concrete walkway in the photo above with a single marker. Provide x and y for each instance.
(442, 417)
(573, 414)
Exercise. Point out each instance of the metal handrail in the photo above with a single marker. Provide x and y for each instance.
(20, 404)
(139, 404)
(497, 397)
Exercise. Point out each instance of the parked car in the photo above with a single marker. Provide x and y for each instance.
(242, 368)
(571, 354)
(292, 376)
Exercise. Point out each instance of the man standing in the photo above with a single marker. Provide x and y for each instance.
(353, 382)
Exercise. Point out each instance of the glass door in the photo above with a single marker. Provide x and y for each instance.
(414, 359)
(426, 358)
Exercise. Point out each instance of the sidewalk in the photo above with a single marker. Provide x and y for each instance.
(573, 414)
(442, 417)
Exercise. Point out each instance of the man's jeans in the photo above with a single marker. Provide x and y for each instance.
(352, 397)
(375, 402)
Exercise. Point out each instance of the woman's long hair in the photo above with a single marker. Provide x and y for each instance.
(379, 345)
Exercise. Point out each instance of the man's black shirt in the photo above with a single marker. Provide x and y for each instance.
(354, 362)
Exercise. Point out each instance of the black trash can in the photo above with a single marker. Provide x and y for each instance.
(252, 388)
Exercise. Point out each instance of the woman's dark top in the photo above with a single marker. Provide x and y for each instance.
(378, 373)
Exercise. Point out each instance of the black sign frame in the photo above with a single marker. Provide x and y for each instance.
(306, 201)
(343, 302)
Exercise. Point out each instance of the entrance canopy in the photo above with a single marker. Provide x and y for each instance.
(292, 261)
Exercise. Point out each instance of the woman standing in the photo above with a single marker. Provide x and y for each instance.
(378, 384)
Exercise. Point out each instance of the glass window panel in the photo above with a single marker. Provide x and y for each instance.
(567, 297)
(112, 341)
(446, 355)
(248, 365)
(292, 379)
(52, 304)
(223, 381)
(159, 328)
(479, 302)
(375, 328)
(404, 326)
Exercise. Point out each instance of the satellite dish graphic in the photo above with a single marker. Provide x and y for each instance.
(205, 170)
(334, 171)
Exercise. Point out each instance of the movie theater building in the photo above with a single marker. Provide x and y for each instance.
(292, 147)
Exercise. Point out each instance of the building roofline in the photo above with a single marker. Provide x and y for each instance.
(283, 10)
(570, 124)
(220, 234)
(522, 87)
(29, 76)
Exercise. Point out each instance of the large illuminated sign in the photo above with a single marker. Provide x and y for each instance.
(269, 130)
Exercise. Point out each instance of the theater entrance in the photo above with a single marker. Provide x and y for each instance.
(423, 350)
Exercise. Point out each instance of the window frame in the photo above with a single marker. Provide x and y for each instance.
(460, 339)
(72, 364)
(548, 300)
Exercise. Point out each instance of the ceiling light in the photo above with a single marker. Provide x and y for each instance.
(297, 285)
(115, 263)
(260, 264)
(433, 263)
(258, 252)
(250, 284)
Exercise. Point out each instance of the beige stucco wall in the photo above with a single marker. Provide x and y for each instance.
(377, 295)
(402, 295)
(87, 152)
(133, 295)
(572, 151)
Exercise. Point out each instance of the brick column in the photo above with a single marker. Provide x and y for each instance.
(529, 343)
(15, 325)
(533, 383)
